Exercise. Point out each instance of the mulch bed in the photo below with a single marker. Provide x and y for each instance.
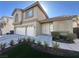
(57, 52)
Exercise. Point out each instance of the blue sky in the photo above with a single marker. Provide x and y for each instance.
(52, 8)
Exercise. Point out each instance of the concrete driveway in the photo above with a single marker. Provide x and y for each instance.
(74, 46)
(42, 38)
(7, 38)
(67, 46)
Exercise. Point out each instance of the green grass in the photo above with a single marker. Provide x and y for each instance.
(25, 51)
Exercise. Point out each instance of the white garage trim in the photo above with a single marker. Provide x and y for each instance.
(20, 30)
(30, 31)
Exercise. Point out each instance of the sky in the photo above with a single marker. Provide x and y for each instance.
(52, 8)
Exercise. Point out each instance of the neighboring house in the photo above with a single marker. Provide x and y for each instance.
(7, 24)
(33, 21)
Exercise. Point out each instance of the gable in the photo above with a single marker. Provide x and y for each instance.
(15, 10)
(36, 4)
(42, 11)
(41, 14)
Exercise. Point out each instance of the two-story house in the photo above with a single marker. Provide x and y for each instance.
(33, 21)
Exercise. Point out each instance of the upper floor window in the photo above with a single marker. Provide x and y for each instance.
(16, 17)
(29, 14)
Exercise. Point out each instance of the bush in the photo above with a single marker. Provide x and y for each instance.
(39, 43)
(55, 45)
(63, 37)
(11, 43)
(33, 41)
(55, 35)
(2, 46)
(45, 45)
(28, 40)
(19, 41)
(70, 37)
(24, 40)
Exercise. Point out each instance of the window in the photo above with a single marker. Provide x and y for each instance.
(16, 17)
(29, 14)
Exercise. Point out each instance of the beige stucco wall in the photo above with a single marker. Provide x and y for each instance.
(30, 18)
(66, 25)
(19, 12)
(37, 14)
(41, 14)
(38, 28)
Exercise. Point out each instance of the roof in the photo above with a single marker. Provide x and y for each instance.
(6, 17)
(31, 6)
(16, 10)
(59, 18)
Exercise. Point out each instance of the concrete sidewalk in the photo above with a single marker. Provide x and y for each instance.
(74, 46)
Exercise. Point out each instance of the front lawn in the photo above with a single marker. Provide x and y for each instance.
(25, 51)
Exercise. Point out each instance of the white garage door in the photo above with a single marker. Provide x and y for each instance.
(45, 29)
(20, 30)
(30, 31)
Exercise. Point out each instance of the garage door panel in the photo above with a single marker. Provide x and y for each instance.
(20, 30)
(30, 31)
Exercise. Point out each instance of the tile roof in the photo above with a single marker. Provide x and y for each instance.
(59, 18)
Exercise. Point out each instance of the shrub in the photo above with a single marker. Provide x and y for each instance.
(33, 41)
(63, 37)
(55, 45)
(19, 41)
(70, 37)
(3, 46)
(11, 43)
(55, 35)
(45, 44)
(24, 40)
(39, 43)
(28, 40)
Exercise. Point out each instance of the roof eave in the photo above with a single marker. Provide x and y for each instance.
(16, 10)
